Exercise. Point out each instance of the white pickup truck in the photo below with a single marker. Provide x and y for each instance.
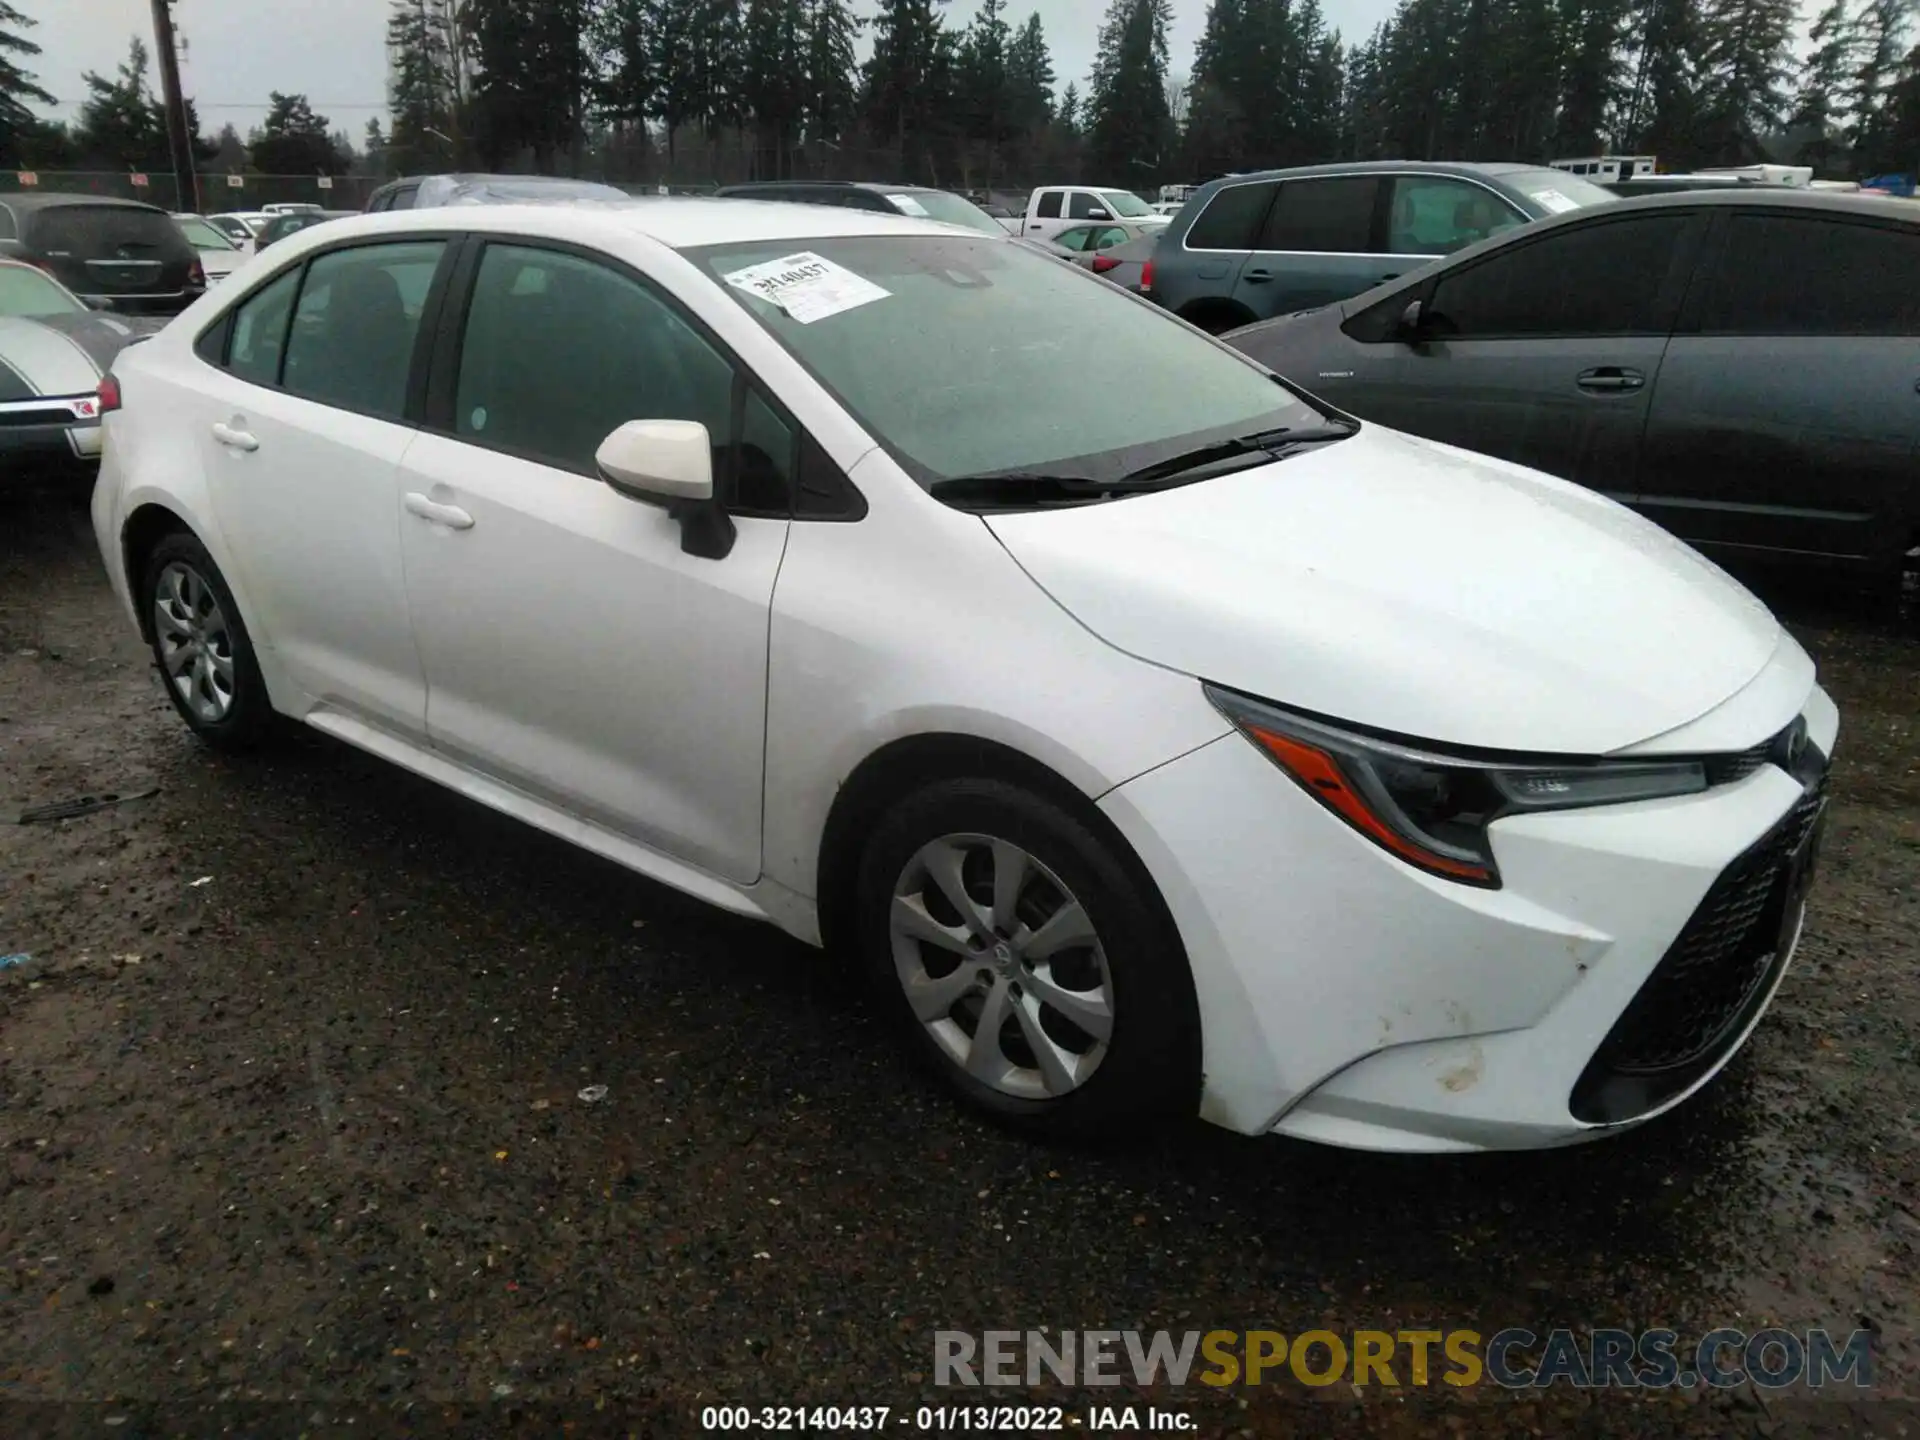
(1053, 208)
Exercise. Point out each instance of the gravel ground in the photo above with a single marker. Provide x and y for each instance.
(289, 1113)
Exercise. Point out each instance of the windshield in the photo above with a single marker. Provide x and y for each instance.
(203, 236)
(1125, 202)
(1556, 190)
(972, 356)
(948, 208)
(25, 292)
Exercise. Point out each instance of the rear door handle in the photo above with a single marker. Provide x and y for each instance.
(234, 439)
(451, 516)
(1391, 275)
(1257, 277)
(1610, 377)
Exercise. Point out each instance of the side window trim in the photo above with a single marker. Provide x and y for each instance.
(443, 375)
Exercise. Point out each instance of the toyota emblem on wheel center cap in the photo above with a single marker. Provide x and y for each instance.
(1002, 953)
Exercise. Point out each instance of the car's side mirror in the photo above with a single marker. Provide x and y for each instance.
(670, 463)
(1098, 214)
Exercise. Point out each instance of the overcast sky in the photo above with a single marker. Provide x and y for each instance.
(333, 51)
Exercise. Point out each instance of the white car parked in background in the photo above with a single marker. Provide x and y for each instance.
(1053, 208)
(219, 255)
(1208, 752)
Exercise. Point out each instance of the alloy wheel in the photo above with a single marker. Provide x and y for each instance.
(1000, 962)
(195, 642)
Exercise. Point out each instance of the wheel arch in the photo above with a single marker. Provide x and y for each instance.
(1216, 314)
(148, 524)
(898, 768)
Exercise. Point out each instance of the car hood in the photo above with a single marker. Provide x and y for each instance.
(64, 354)
(1409, 586)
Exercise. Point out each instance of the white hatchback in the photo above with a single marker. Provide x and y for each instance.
(1162, 740)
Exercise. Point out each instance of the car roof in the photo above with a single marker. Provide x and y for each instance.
(1765, 197)
(880, 187)
(62, 198)
(1363, 167)
(679, 222)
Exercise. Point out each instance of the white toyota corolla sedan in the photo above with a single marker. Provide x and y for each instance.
(1162, 740)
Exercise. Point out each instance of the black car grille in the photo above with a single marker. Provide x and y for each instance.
(1725, 769)
(1705, 989)
(48, 415)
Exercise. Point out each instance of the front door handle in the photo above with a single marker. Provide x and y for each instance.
(451, 516)
(1257, 277)
(233, 438)
(1391, 275)
(1610, 378)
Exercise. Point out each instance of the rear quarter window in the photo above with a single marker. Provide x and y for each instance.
(1231, 219)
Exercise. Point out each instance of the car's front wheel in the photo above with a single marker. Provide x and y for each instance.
(201, 645)
(1026, 961)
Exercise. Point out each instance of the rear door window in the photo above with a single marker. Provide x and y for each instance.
(1330, 215)
(1760, 286)
(1049, 208)
(1082, 206)
(353, 332)
(260, 330)
(1231, 219)
(1601, 279)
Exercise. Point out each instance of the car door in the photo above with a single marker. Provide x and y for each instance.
(1784, 423)
(1315, 247)
(1544, 352)
(573, 648)
(300, 425)
(1046, 214)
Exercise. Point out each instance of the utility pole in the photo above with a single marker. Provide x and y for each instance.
(186, 184)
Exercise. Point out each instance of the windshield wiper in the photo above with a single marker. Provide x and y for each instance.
(1265, 444)
(1025, 487)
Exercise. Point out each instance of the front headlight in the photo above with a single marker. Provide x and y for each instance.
(1432, 809)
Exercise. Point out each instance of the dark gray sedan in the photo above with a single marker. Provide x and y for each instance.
(1740, 365)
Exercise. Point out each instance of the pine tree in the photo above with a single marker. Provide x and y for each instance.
(1593, 77)
(1664, 112)
(120, 122)
(422, 92)
(984, 82)
(529, 92)
(18, 127)
(909, 82)
(292, 140)
(1819, 103)
(1747, 54)
(1069, 116)
(832, 75)
(774, 79)
(1129, 133)
(1882, 33)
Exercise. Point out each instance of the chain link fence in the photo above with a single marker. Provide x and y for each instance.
(218, 191)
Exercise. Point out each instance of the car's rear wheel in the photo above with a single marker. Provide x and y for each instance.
(1026, 962)
(201, 645)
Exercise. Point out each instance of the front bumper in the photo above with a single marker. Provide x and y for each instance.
(1350, 999)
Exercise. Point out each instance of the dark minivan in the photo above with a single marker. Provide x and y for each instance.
(114, 254)
(1250, 247)
(1740, 365)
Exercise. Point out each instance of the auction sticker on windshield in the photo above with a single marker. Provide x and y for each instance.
(807, 286)
(1556, 202)
(907, 205)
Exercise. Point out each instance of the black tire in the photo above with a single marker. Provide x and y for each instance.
(1150, 1069)
(1217, 319)
(248, 717)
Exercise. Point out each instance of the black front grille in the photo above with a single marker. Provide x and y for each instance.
(1705, 989)
(1725, 769)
